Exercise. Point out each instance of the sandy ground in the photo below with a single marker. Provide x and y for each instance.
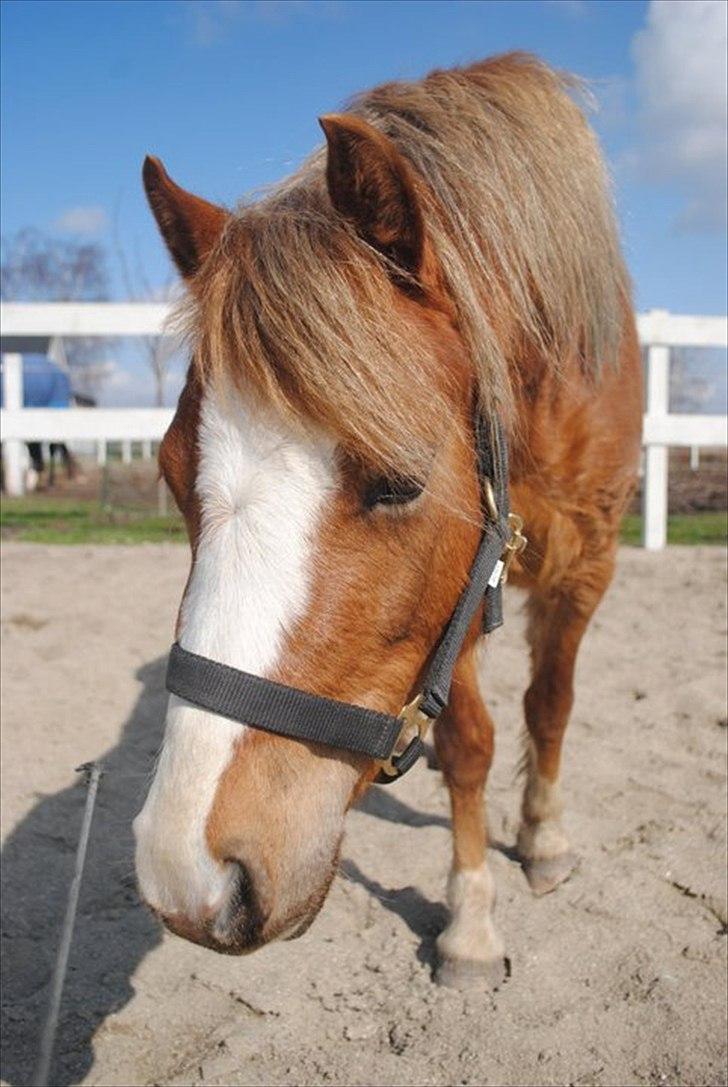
(617, 978)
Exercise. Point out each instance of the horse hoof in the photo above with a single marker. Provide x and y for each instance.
(466, 974)
(546, 873)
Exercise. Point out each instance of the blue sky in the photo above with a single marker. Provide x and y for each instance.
(228, 93)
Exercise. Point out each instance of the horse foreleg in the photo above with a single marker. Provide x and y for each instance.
(558, 620)
(469, 949)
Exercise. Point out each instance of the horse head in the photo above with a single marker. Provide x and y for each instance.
(322, 456)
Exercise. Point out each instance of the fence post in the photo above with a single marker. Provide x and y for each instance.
(13, 451)
(101, 452)
(126, 451)
(654, 488)
(146, 449)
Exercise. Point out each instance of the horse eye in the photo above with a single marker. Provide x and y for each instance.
(391, 492)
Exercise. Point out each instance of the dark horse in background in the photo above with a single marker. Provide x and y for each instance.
(450, 253)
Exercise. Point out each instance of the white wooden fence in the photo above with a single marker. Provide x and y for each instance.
(659, 331)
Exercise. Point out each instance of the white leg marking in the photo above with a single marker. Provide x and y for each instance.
(471, 936)
(261, 489)
(541, 836)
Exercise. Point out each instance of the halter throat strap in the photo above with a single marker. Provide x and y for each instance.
(287, 711)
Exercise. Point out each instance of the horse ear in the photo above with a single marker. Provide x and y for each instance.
(372, 186)
(189, 225)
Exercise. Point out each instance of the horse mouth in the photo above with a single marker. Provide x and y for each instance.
(299, 927)
(306, 916)
(241, 926)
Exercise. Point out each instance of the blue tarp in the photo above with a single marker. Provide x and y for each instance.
(45, 385)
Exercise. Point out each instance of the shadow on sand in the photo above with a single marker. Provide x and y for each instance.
(113, 931)
(424, 918)
(381, 802)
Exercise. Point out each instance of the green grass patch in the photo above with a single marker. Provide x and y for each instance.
(705, 527)
(35, 519)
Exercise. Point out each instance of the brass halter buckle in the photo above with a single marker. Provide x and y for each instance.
(490, 502)
(516, 544)
(415, 724)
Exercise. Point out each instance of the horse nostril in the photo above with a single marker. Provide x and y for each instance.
(242, 889)
(240, 920)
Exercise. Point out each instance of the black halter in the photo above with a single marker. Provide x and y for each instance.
(287, 711)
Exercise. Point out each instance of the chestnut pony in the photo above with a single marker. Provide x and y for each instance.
(450, 252)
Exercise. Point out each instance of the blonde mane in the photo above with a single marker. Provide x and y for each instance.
(296, 308)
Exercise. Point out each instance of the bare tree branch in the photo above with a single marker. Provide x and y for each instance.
(139, 289)
(36, 267)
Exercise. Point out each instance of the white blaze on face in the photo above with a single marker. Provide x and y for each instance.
(261, 489)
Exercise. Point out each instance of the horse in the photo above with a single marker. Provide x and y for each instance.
(448, 256)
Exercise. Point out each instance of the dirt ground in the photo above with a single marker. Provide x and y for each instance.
(617, 978)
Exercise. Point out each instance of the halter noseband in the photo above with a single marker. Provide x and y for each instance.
(288, 711)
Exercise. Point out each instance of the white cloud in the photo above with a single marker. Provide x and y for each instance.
(89, 220)
(212, 20)
(680, 59)
(574, 9)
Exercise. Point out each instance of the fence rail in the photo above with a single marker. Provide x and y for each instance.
(84, 424)
(659, 331)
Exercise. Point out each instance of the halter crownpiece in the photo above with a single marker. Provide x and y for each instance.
(395, 742)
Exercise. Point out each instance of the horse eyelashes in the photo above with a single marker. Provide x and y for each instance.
(391, 492)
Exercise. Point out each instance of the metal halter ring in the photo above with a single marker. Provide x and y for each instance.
(413, 719)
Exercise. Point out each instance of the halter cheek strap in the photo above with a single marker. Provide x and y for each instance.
(288, 711)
